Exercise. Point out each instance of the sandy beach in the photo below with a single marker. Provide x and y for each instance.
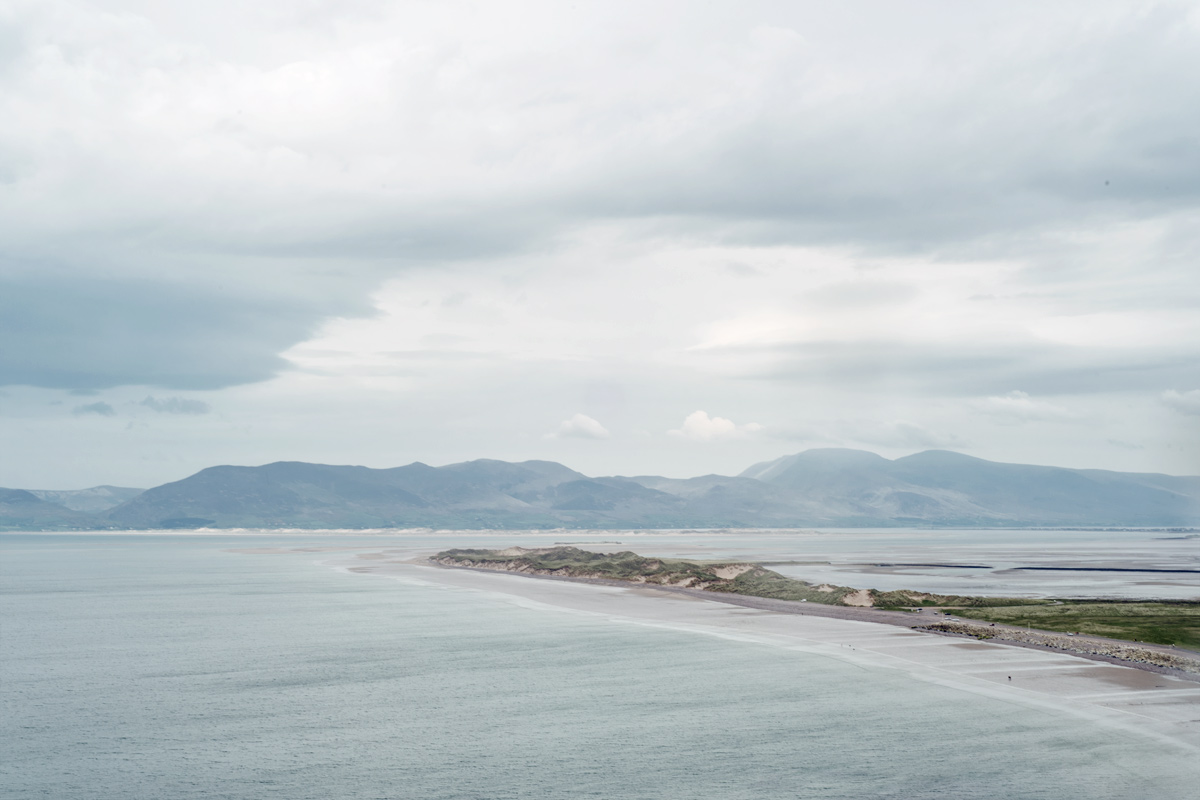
(1165, 707)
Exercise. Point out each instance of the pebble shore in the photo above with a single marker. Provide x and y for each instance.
(1083, 645)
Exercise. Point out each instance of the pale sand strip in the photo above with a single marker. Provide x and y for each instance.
(1163, 707)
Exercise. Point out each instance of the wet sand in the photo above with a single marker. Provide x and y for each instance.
(1162, 706)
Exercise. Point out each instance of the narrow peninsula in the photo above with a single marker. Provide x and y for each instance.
(1142, 634)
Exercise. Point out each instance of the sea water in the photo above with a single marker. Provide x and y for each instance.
(138, 666)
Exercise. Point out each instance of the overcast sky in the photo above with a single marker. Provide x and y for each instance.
(637, 238)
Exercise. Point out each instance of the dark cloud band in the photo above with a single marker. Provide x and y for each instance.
(89, 333)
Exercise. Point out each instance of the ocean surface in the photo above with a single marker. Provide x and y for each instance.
(167, 666)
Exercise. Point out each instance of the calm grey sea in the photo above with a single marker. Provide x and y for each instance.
(144, 666)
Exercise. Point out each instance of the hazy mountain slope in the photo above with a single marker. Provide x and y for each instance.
(22, 510)
(1188, 486)
(473, 494)
(95, 499)
(274, 495)
(854, 487)
(725, 501)
(827, 464)
(940, 487)
(1052, 494)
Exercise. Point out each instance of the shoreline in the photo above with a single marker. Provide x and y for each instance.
(1157, 659)
(1115, 694)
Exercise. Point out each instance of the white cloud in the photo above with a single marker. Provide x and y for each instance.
(1017, 407)
(702, 427)
(1183, 402)
(580, 426)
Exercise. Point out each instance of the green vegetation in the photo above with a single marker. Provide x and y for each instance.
(729, 577)
(759, 582)
(1176, 623)
(573, 562)
(904, 599)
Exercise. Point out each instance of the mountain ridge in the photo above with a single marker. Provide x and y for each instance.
(822, 487)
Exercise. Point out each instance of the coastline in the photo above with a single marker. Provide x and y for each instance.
(1153, 703)
(1159, 659)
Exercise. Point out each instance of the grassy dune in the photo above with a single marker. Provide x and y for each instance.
(761, 582)
(1176, 623)
(730, 577)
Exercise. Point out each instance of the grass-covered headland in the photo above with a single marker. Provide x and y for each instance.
(1174, 623)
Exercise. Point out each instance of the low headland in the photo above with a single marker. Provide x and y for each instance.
(1142, 634)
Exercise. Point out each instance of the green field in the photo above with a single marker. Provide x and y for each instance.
(1176, 623)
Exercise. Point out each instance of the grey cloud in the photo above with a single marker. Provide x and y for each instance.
(89, 333)
(894, 433)
(176, 405)
(1001, 150)
(745, 270)
(1183, 402)
(443, 339)
(434, 354)
(862, 293)
(977, 369)
(398, 231)
(802, 433)
(977, 157)
(1018, 407)
(900, 433)
(1005, 143)
(101, 408)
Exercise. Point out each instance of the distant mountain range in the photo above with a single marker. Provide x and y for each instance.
(829, 487)
(95, 499)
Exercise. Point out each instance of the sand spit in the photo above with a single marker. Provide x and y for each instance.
(1141, 698)
(1155, 658)
(1155, 701)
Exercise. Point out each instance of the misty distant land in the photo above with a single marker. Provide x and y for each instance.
(823, 487)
